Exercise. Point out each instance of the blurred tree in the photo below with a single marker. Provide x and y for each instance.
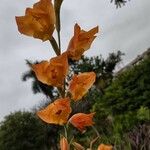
(125, 106)
(130, 90)
(119, 3)
(22, 131)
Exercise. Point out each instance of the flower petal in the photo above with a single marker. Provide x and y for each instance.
(81, 120)
(80, 84)
(105, 147)
(38, 21)
(80, 42)
(57, 112)
(52, 72)
(64, 144)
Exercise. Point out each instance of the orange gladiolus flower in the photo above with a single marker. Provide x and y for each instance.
(105, 147)
(52, 72)
(80, 84)
(81, 120)
(57, 112)
(38, 21)
(80, 42)
(64, 144)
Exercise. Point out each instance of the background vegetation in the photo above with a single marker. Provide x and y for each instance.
(121, 102)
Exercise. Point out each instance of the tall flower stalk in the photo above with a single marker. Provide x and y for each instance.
(40, 22)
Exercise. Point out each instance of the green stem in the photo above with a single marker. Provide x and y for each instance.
(97, 133)
(92, 142)
(55, 46)
(71, 140)
(64, 88)
(65, 129)
(59, 41)
(57, 6)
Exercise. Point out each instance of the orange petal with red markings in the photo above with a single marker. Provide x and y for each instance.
(56, 112)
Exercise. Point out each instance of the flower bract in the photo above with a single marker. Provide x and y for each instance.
(64, 144)
(39, 21)
(78, 146)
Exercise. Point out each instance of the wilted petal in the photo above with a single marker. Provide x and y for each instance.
(78, 146)
(52, 72)
(105, 147)
(80, 42)
(80, 84)
(38, 21)
(57, 112)
(81, 120)
(64, 144)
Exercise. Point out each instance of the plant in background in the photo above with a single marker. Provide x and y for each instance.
(125, 106)
(22, 131)
(40, 22)
(139, 137)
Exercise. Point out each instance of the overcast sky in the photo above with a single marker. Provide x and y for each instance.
(126, 29)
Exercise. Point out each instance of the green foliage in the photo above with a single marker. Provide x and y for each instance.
(121, 130)
(129, 91)
(124, 107)
(143, 114)
(22, 131)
